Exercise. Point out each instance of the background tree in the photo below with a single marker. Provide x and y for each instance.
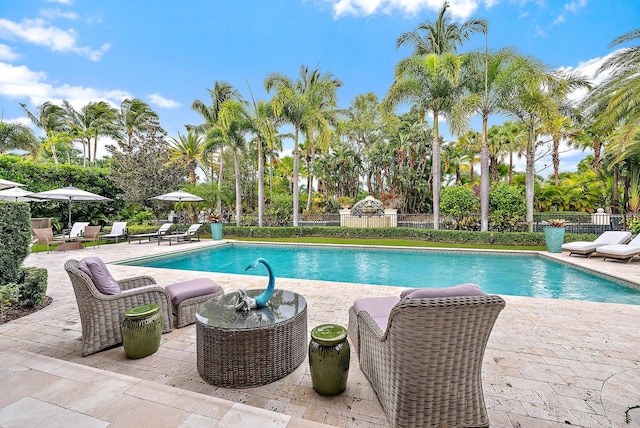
(16, 136)
(51, 119)
(134, 115)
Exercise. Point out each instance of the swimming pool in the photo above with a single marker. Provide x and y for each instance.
(520, 275)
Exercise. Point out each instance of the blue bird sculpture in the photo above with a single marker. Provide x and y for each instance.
(245, 302)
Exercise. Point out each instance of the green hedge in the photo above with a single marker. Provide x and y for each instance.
(32, 286)
(15, 239)
(445, 236)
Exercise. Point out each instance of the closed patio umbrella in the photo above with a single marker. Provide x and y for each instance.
(15, 194)
(5, 184)
(70, 194)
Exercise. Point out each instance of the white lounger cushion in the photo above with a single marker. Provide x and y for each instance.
(606, 238)
(633, 247)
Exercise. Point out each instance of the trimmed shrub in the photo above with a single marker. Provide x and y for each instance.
(32, 286)
(15, 239)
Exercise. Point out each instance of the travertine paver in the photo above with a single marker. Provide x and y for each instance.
(548, 363)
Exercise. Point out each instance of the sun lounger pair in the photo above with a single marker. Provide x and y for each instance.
(164, 229)
(586, 248)
(194, 230)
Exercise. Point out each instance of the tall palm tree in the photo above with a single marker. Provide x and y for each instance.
(534, 98)
(231, 128)
(301, 103)
(49, 117)
(262, 123)
(221, 92)
(431, 84)
(485, 77)
(134, 115)
(88, 124)
(187, 150)
(442, 35)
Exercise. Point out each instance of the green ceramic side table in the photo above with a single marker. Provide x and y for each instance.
(329, 355)
(141, 330)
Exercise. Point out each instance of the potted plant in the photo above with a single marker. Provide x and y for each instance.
(215, 221)
(554, 234)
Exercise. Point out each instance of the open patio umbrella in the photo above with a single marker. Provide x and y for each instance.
(178, 196)
(70, 194)
(15, 194)
(5, 184)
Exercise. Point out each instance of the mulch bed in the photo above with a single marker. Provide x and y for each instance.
(15, 311)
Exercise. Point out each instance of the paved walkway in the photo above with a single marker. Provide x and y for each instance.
(549, 363)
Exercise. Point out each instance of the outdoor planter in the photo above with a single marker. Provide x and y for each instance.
(216, 231)
(554, 235)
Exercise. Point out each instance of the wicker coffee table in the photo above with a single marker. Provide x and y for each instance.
(242, 349)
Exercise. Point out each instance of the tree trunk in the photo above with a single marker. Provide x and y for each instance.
(295, 177)
(615, 208)
(530, 176)
(236, 164)
(221, 170)
(484, 178)
(260, 183)
(435, 170)
(556, 160)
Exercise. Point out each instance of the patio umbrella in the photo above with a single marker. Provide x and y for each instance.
(5, 184)
(70, 194)
(178, 196)
(15, 194)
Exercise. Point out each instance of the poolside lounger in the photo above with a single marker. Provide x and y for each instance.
(586, 248)
(620, 251)
(118, 230)
(194, 230)
(164, 229)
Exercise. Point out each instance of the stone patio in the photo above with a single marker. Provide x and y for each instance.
(548, 363)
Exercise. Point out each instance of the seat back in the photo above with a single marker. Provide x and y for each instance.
(193, 229)
(119, 228)
(427, 370)
(164, 228)
(612, 237)
(43, 235)
(635, 242)
(78, 228)
(92, 232)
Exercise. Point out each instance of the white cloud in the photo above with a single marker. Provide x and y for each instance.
(559, 20)
(161, 101)
(21, 83)
(39, 32)
(7, 53)
(575, 5)
(60, 1)
(58, 13)
(460, 9)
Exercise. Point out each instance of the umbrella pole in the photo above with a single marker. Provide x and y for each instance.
(69, 216)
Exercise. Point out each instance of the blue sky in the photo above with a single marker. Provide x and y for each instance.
(167, 52)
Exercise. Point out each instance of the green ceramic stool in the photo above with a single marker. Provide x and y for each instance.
(329, 355)
(141, 330)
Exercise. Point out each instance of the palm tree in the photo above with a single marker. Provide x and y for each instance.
(263, 125)
(16, 136)
(485, 76)
(188, 150)
(221, 92)
(51, 119)
(303, 104)
(134, 115)
(93, 120)
(431, 84)
(534, 98)
(230, 129)
(442, 35)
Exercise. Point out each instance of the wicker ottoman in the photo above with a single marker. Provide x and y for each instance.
(186, 296)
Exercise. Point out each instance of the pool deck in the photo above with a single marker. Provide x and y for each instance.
(548, 363)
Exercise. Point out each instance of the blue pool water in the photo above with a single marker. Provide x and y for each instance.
(520, 275)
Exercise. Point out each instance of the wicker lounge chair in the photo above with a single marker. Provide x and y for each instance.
(118, 231)
(101, 314)
(620, 251)
(586, 248)
(194, 230)
(425, 364)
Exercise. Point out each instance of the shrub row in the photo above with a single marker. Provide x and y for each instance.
(444, 236)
